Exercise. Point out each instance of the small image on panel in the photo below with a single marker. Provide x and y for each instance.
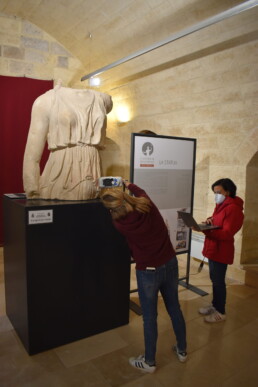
(181, 235)
(180, 245)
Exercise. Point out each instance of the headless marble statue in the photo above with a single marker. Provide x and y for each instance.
(73, 122)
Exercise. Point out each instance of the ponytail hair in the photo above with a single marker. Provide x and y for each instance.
(119, 203)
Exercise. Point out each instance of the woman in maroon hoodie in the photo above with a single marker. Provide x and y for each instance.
(139, 220)
(219, 244)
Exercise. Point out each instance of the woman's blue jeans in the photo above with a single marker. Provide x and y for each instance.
(217, 276)
(165, 280)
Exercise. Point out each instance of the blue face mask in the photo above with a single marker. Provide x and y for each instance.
(219, 198)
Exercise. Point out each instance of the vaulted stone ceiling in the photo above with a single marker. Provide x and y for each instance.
(99, 32)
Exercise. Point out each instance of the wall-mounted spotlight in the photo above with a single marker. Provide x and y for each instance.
(123, 113)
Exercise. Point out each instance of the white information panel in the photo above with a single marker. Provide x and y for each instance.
(164, 167)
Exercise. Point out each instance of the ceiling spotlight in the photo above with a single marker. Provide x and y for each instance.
(94, 81)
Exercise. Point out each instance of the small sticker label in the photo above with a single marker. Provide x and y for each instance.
(40, 216)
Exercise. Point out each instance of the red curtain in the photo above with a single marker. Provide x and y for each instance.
(16, 98)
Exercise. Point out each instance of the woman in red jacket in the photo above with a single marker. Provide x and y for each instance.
(219, 244)
(140, 221)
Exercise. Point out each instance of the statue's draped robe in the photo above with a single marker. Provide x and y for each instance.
(77, 126)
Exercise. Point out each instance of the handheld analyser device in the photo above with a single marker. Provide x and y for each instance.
(110, 182)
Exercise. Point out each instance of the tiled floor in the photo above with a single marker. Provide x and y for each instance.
(224, 355)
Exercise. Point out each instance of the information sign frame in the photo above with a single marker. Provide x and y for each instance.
(164, 166)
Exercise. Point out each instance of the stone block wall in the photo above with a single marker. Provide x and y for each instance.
(250, 229)
(209, 94)
(26, 50)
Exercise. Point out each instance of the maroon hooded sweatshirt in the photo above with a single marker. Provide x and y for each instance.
(146, 235)
(219, 243)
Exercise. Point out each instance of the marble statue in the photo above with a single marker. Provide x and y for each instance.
(73, 122)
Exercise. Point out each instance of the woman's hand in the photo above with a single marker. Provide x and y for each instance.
(209, 220)
(126, 183)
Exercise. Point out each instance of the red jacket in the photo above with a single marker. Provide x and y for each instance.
(219, 244)
(146, 235)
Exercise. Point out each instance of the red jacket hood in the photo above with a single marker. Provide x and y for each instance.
(236, 201)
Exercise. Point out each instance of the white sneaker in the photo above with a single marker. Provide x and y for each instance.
(206, 310)
(182, 356)
(215, 317)
(140, 364)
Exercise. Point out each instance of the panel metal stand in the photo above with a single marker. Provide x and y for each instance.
(135, 307)
(192, 288)
(184, 281)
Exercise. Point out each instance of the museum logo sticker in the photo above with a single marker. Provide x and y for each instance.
(147, 150)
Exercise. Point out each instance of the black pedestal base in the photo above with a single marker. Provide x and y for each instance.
(67, 279)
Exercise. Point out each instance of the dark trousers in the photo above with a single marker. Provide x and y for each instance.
(165, 280)
(217, 276)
